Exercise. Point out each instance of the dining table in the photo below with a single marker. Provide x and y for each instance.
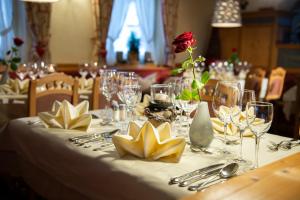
(58, 169)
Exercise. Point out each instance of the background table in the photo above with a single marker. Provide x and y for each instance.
(57, 169)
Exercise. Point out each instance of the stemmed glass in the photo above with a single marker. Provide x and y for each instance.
(108, 86)
(33, 71)
(22, 71)
(83, 70)
(93, 69)
(259, 119)
(227, 95)
(238, 118)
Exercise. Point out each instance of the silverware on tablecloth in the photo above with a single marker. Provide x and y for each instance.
(30, 122)
(199, 177)
(106, 134)
(225, 173)
(103, 146)
(284, 145)
(183, 177)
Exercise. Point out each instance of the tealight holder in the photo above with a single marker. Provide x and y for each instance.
(161, 94)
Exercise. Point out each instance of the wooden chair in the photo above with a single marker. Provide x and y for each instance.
(275, 85)
(207, 93)
(44, 91)
(96, 94)
(297, 116)
(254, 80)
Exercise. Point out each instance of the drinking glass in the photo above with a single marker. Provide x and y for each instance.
(108, 86)
(22, 71)
(93, 69)
(83, 70)
(131, 95)
(238, 118)
(259, 119)
(161, 94)
(227, 95)
(33, 71)
(42, 69)
(124, 79)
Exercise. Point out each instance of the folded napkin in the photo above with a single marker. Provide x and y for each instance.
(86, 84)
(6, 89)
(66, 116)
(140, 107)
(19, 86)
(150, 143)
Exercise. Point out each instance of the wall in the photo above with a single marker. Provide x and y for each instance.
(195, 16)
(255, 5)
(71, 31)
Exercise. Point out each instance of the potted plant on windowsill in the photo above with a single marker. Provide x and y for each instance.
(133, 53)
(201, 131)
(11, 60)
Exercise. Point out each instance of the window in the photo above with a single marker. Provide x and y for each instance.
(131, 24)
(6, 33)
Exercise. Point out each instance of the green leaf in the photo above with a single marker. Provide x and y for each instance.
(177, 71)
(186, 63)
(13, 66)
(195, 95)
(14, 49)
(196, 84)
(16, 59)
(186, 95)
(205, 77)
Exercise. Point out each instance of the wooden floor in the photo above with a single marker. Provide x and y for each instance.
(277, 181)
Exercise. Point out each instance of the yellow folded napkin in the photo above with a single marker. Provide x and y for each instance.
(6, 89)
(140, 107)
(66, 116)
(19, 86)
(150, 143)
(86, 84)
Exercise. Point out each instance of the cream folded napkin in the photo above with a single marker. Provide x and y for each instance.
(19, 86)
(150, 143)
(140, 107)
(66, 116)
(86, 84)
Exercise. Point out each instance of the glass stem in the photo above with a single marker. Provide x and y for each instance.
(241, 144)
(225, 133)
(256, 151)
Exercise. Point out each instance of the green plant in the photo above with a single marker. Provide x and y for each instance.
(12, 58)
(185, 42)
(133, 43)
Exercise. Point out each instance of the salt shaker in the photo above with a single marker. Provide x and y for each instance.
(116, 113)
(122, 112)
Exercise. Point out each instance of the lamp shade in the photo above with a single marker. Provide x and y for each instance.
(227, 14)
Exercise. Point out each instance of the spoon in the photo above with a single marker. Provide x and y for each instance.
(225, 173)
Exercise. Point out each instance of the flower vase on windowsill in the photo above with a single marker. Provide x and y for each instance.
(201, 130)
(133, 53)
(11, 60)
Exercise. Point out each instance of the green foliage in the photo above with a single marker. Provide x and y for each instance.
(133, 43)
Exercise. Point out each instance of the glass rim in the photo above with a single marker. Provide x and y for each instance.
(157, 85)
(260, 103)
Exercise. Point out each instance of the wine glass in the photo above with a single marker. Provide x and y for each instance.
(238, 118)
(259, 119)
(22, 71)
(93, 69)
(108, 86)
(226, 96)
(83, 70)
(33, 71)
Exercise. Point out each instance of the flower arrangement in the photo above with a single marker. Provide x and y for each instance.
(12, 58)
(133, 43)
(185, 43)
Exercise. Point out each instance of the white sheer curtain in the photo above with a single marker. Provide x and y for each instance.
(118, 15)
(6, 22)
(150, 20)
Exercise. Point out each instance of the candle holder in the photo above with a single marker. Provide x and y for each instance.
(161, 94)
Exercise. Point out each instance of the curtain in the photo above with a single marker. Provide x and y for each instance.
(150, 19)
(102, 13)
(169, 11)
(6, 22)
(118, 15)
(38, 16)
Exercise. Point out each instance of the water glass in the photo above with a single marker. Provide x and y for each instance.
(161, 93)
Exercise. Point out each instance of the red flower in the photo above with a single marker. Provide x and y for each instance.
(18, 41)
(183, 41)
(40, 51)
(234, 49)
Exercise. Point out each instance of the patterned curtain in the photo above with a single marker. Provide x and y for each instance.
(38, 16)
(169, 10)
(102, 12)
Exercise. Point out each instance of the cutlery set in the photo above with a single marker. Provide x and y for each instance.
(210, 175)
(101, 138)
(283, 145)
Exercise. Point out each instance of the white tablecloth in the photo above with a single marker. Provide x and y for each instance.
(102, 174)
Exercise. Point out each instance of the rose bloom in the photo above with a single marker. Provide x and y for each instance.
(234, 49)
(40, 51)
(183, 41)
(18, 41)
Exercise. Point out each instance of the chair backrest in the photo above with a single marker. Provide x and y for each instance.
(207, 93)
(96, 94)
(254, 80)
(275, 84)
(44, 91)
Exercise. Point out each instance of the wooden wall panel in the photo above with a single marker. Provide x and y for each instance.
(230, 38)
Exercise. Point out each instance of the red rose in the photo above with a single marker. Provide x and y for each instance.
(40, 51)
(18, 41)
(234, 49)
(183, 41)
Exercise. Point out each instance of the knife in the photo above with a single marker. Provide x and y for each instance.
(183, 177)
(198, 178)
